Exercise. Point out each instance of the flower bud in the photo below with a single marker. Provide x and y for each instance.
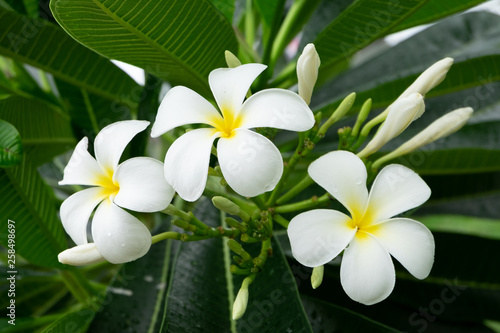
(80, 255)
(307, 71)
(401, 113)
(229, 207)
(241, 301)
(231, 60)
(444, 126)
(430, 78)
(317, 276)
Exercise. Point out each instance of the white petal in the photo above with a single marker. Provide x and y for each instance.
(367, 272)
(76, 210)
(85, 254)
(250, 163)
(82, 168)
(112, 140)
(396, 190)
(410, 242)
(143, 187)
(230, 85)
(318, 236)
(182, 106)
(119, 236)
(186, 162)
(277, 108)
(343, 175)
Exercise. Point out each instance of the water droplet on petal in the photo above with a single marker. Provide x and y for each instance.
(123, 244)
(109, 234)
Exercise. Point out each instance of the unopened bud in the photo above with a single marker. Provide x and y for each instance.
(307, 71)
(231, 60)
(80, 255)
(317, 276)
(238, 249)
(444, 126)
(401, 113)
(430, 78)
(241, 301)
(229, 207)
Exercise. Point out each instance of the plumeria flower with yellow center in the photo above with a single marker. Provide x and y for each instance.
(250, 163)
(369, 236)
(136, 184)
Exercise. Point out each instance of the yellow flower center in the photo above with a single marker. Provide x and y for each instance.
(110, 187)
(363, 223)
(227, 123)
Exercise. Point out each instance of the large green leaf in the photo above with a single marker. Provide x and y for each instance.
(75, 322)
(202, 290)
(46, 46)
(435, 10)
(11, 147)
(136, 291)
(179, 41)
(356, 27)
(30, 204)
(45, 132)
(386, 75)
(467, 225)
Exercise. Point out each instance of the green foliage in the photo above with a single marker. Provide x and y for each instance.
(46, 46)
(57, 85)
(11, 148)
(177, 41)
(44, 131)
(30, 204)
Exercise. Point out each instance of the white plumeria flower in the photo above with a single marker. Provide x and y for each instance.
(136, 184)
(250, 163)
(369, 236)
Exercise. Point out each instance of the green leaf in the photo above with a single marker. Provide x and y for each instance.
(75, 322)
(17, 5)
(467, 225)
(30, 204)
(11, 148)
(226, 7)
(435, 10)
(202, 290)
(135, 297)
(268, 10)
(385, 76)
(356, 27)
(323, 314)
(179, 41)
(46, 46)
(89, 112)
(45, 132)
(31, 7)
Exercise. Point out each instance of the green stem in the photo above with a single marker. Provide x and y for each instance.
(302, 205)
(249, 24)
(90, 110)
(78, 286)
(165, 235)
(302, 185)
(281, 220)
(283, 37)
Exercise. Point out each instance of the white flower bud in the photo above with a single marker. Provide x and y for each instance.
(317, 276)
(430, 78)
(444, 126)
(307, 71)
(401, 113)
(241, 301)
(80, 255)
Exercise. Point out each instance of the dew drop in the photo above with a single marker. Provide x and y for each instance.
(109, 234)
(123, 244)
